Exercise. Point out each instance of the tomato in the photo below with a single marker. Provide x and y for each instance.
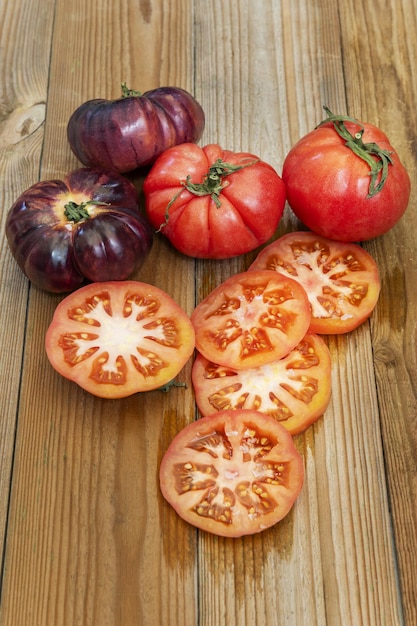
(117, 338)
(213, 203)
(295, 390)
(250, 319)
(132, 131)
(341, 279)
(345, 181)
(87, 227)
(233, 473)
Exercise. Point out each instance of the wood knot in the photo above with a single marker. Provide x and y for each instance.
(385, 354)
(22, 123)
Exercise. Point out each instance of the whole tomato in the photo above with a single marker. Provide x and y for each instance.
(213, 203)
(132, 131)
(345, 181)
(86, 227)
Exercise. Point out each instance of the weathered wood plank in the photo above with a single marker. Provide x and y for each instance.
(23, 92)
(380, 53)
(294, 66)
(86, 538)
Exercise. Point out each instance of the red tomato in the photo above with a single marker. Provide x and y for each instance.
(341, 279)
(233, 473)
(345, 181)
(295, 390)
(213, 203)
(117, 338)
(85, 227)
(132, 131)
(250, 319)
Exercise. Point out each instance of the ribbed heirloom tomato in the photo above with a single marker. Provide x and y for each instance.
(86, 227)
(233, 473)
(213, 203)
(133, 130)
(294, 390)
(345, 181)
(117, 338)
(341, 279)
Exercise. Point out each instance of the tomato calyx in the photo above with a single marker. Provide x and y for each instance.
(376, 158)
(78, 212)
(212, 184)
(130, 93)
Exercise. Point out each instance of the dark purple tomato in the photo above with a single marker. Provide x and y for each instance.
(132, 131)
(85, 228)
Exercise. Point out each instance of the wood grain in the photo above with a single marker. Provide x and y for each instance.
(87, 537)
(23, 94)
(388, 97)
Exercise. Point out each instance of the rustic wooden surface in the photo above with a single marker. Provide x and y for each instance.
(86, 536)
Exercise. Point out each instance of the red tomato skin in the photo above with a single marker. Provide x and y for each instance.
(251, 202)
(131, 132)
(327, 186)
(59, 255)
(233, 423)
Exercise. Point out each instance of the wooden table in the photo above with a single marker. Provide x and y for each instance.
(87, 538)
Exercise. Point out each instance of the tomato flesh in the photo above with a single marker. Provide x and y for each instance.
(233, 473)
(117, 338)
(251, 318)
(341, 279)
(294, 390)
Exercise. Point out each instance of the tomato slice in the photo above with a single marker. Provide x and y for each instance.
(120, 337)
(232, 473)
(341, 279)
(295, 390)
(251, 318)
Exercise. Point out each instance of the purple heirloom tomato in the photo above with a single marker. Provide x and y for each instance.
(132, 131)
(87, 227)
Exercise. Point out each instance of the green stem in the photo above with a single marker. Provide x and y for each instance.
(127, 93)
(377, 159)
(77, 212)
(172, 383)
(212, 184)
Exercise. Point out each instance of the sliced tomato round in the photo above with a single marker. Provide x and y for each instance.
(295, 390)
(232, 473)
(118, 338)
(251, 318)
(341, 279)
